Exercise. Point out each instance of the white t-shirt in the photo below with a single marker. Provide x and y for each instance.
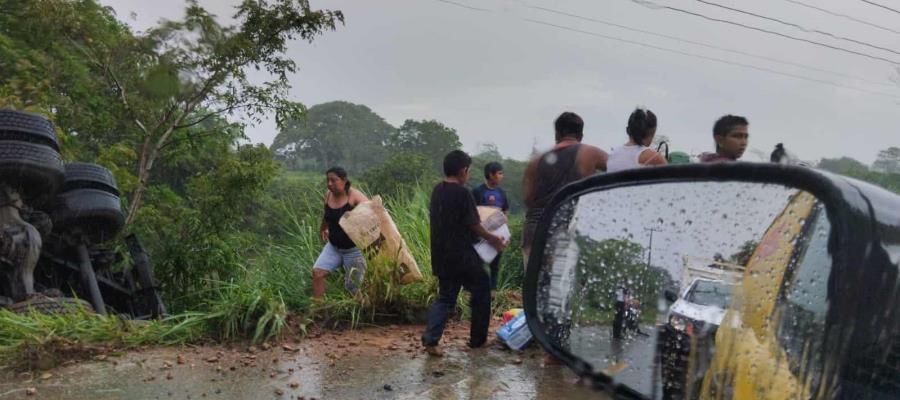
(625, 157)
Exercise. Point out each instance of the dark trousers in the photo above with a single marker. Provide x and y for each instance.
(495, 271)
(619, 320)
(477, 282)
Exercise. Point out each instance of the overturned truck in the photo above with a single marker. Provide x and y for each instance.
(60, 231)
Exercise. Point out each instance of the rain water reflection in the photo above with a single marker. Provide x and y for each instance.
(720, 249)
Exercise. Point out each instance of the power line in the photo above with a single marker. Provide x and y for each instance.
(880, 5)
(463, 5)
(800, 27)
(707, 45)
(652, 5)
(694, 55)
(700, 56)
(836, 14)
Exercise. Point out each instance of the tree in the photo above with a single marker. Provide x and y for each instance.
(429, 138)
(335, 133)
(843, 166)
(855, 169)
(488, 151)
(888, 161)
(742, 256)
(182, 73)
(399, 174)
(607, 264)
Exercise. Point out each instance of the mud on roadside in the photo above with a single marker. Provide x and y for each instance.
(378, 362)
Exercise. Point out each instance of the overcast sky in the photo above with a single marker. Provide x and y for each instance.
(494, 71)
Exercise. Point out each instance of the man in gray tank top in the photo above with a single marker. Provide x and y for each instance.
(568, 161)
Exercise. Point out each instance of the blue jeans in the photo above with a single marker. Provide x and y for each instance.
(474, 279)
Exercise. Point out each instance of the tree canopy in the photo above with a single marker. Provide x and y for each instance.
(337, 133)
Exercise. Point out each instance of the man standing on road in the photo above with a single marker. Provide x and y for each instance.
(491, 194)
(568, 161)
(731, 136)
(455, 227)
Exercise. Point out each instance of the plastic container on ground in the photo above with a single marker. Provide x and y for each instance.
(515, 333)
(510, 314)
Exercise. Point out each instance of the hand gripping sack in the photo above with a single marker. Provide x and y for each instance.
(371, 228)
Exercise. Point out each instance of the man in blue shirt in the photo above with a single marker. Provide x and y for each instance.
(491, 194)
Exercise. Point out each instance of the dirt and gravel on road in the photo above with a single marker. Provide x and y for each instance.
(369, 363)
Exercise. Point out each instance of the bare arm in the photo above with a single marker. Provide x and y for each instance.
(323, 228)
(591, 159)
(357, 196)
(651, 157)
(602, 158)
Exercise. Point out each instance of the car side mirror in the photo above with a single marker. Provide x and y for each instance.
(670, 295)
(745, 243)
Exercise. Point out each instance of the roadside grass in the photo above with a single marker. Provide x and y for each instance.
(36, 340)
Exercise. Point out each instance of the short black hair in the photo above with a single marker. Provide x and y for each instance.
(492, 168)
(727, 123)
(456, 161)
(569, 124)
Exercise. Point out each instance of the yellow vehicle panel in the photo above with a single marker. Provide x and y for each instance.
(749, 363)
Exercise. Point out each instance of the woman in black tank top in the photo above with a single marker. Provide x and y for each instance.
(339, 251)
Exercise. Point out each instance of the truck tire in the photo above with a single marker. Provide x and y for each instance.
(51, 305)
(95, 213)
(27, 127)
(89, 176)
(35, 169)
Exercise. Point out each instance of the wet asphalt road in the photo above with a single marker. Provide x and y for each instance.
(310, 369)
(629, 361)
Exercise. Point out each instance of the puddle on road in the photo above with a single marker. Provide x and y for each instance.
(306, 374)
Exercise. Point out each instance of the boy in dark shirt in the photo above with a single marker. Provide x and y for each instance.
(731, 136)
(455, 227)
(491, 194)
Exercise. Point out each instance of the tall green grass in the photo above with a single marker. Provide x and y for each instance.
(31, 336)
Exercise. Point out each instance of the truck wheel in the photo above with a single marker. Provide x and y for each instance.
(51, 305)
(89, 176)
(27, 127)
(35, 170)
(93, 212)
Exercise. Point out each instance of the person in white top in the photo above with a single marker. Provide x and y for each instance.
(635, 154)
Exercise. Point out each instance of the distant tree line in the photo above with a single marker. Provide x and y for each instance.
(388, 159)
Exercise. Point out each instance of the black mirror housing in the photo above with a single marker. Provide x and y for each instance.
(855, 226)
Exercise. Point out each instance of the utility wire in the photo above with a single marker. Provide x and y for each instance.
(880, 5)
(836, 14)
(463, 5)
(694, 55)
(800, 27)
(652, 5)
(688, 54)
(707, 45)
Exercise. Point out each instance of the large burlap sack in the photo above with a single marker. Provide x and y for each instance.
(492, 218)
(372, 229)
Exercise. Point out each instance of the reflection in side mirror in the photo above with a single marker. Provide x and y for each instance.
(613, 258)
(671, 296)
